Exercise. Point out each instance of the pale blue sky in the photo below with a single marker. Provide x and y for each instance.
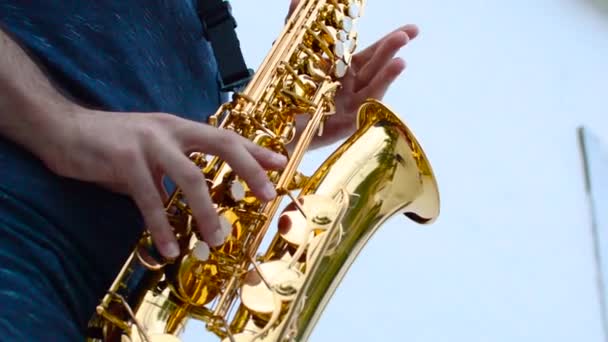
(495, 91)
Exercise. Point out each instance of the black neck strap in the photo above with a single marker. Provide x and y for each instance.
(219, 27)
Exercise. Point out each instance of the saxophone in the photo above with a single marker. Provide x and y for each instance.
(241, 291)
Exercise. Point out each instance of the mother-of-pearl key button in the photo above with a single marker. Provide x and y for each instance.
(339, 49)
(341, 68)
(201, 251)
(354, 10)
(237, 191)
(219, 236)
(347, 24)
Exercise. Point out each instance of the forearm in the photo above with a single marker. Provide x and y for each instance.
(32, 111)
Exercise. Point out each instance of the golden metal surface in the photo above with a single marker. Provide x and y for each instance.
(240, 292)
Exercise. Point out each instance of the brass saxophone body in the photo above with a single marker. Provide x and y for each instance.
(241, 291)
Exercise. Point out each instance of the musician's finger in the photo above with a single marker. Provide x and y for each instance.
(382, 55)
(234, 149)
(248, 168)
(378, 86)
(365, 55)
(149, 202)
(268, 159)
(192, 182)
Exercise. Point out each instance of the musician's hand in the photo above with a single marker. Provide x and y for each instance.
(129, 153)
(371, 73)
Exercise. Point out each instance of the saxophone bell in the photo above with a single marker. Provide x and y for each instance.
(379, 172)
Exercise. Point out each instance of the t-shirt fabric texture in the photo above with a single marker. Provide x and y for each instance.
(62, 241)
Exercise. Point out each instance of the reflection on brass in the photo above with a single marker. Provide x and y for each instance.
(244, 292)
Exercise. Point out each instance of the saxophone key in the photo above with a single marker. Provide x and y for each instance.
(292, 227)
(329, 33)
(201, 251)
(352, 43)
(268, 284)
(237, 191)
(230, 233)
(340, 68)
(347, 24)
(354, 10)
(196, 281)
(298, 224)
(339, 49)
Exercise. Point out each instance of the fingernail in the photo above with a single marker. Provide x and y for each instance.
(269, 191)
(171, 250)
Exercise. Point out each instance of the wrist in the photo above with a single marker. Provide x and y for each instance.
(52, 132)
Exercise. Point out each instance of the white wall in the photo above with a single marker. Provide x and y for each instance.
(495, 91)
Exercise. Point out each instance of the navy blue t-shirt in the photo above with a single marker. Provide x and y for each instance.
(64, 238)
